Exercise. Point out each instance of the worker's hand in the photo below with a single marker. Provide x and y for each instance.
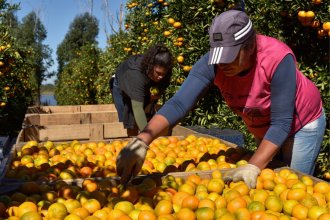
(130, 159)
(248, 173)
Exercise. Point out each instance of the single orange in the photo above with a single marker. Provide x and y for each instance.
(164, 207)
(307, 180)
(170, 20)
(316, 211)
(228, 216)
(213, 196)
(284, 173)
(235, 204)
(179, 197)
(185, 213)
(115, 214)
(309, 201)
(324, 216)
(216, 174)
(269, 216)
(256, 215)
(205, 213)
(215, 185)
(299, 211)
(57, 210)
(89, 185)
(81, 212)
(256, 206)
(288, 206)
(31, 215)
(220, 212)
(206, 203)
(279, 179)
(190, 202)
(231, 194)
(194, 178)
(284, 194)
(147, 215)
(72, 217)
(320, 198)
(322, 187)
(220, 202)
(124, 206)
(166, 217)
(274, 203)
(242, 214)
(242, 188)
(259, 195)
(267, 173)
(92, 205)
(279, 188)
(72, 204)
(188, 188)
(102, 214)
(296, 194)
(26, 207)
(86, 172)
(269, 184)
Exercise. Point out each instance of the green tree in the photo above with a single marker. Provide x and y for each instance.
(107, 64)
(82, 31)
(10, 20)
(15, 87)
(75, 85)
(30, 34)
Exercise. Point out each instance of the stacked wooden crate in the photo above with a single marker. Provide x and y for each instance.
(81, 122)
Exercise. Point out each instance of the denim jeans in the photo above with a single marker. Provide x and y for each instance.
(305, 146)
(300, 151)
(118, 99)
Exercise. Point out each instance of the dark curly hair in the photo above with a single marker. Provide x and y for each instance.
(158, 54)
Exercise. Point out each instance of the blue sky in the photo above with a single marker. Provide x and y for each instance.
(57, 15)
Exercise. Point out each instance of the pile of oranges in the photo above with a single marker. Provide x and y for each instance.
(48, 161)
(196, 194)
(278, 196)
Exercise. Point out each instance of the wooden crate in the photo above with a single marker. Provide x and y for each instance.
(70, 109)
(80, 122)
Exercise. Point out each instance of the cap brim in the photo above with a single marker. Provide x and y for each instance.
(223, 54)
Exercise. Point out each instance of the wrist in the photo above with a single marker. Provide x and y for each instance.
(145, 137)
(254, 167)
(143, 143)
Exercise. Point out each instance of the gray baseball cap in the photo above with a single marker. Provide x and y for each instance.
(227, 33)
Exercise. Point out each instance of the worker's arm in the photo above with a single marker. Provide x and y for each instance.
(139, 114)
(283, 90)
(283, 94)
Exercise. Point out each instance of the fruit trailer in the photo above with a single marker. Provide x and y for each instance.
(35, 174)
(90, 123)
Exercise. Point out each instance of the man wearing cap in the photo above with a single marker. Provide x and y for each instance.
(259, 80)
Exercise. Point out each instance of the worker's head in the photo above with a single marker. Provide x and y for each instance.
(157, 63)
(232, 41)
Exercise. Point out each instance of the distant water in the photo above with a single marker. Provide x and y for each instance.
(48, 100)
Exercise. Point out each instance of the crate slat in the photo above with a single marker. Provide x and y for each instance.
(98, 108)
